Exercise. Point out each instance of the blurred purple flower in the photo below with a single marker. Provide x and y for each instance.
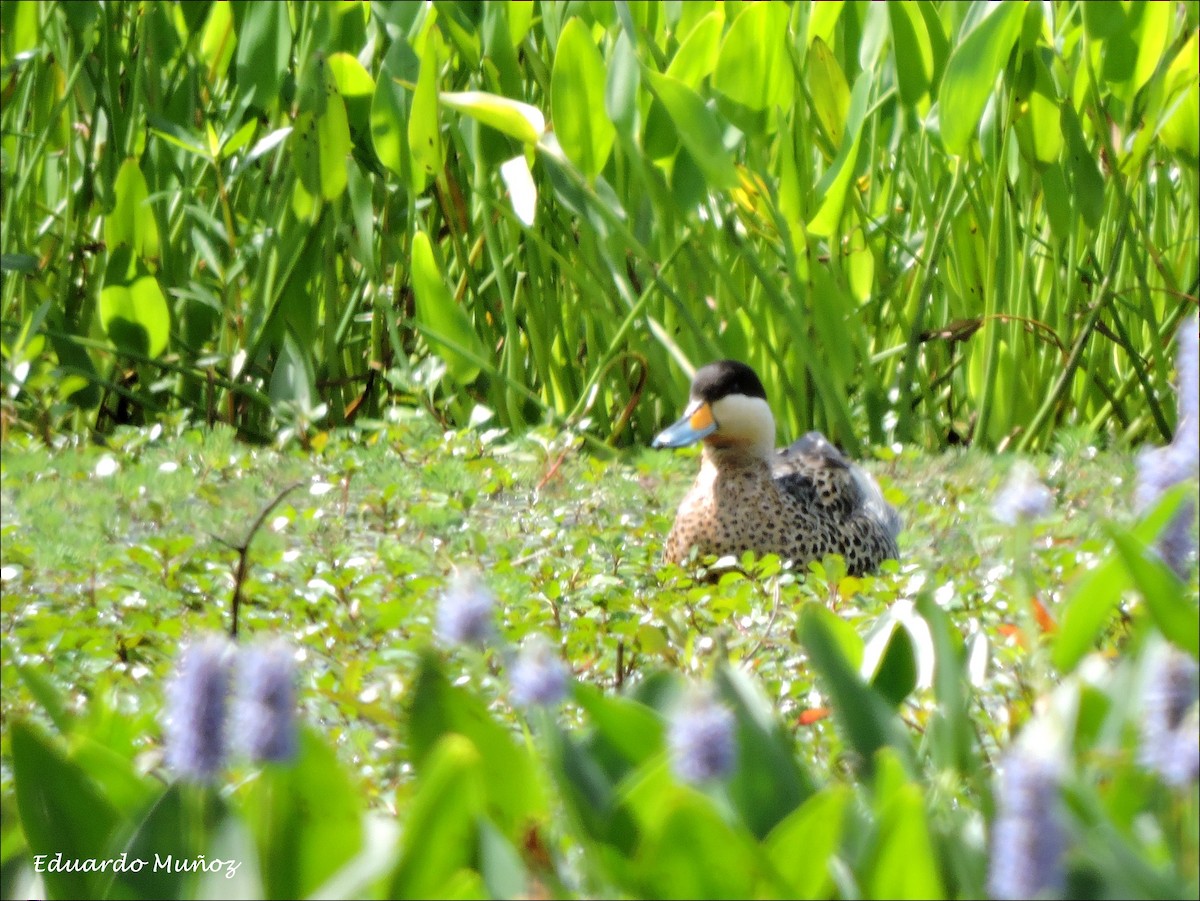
(266, 704)
(465, 611)
(1187, 391)
(196, 705)
(1023, 498)
(1170, 740)
(539, 677)
(701, 738)
(1028, 838)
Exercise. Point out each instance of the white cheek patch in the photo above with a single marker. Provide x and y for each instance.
(745, 419)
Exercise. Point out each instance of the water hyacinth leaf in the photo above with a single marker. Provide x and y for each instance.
(438, 708)
(425, 147)
(890, 661)
(1086, 181)
(389, 125)
(357, 89)
(1164, 593)
(500, 863)
(134, 313)
(1180, 124)
(699, 130)
(693, 853)
(50, 789)
(1091, 603)
(914, 54)
(577, 82)
(754, 67)
(440, 835)
(131, 223)
(218, 41)
(815, 826)
(767, 782)
(511, 117)
(829, 90)
(165, 831)
(864, 718)
(586, 773)
(627, 726)
(621, 89)
(836, 180)
(950, 729)
(698, 54)
(264, 41)
(904, 864)
(306, 819)
(971, 73)
(443, 322)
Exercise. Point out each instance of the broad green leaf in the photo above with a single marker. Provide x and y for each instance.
(1086, 181)
(62, 812)
(699, 130)
(815, 826)
(691, 852)
(904, 864)
(767, 782)
(890, 661)
(135, 316)
(47, 695)
(333, 137)
(628, 726)
(830, 93)
(971, 73)
(822, 20)
(1151, 34)
(440, 834)
(389, 126)
(621, 92)
(444, 323)
(836, 180)
(425, 146)
(306, 818)
(864, 718)
(357, 89)
(697, 55)
(218, 41)
(513, 118)
(438, 708)
(754, 67)
(1164, 593)
(131, 223)
(577, 82)
(1180, 128)
(914, 54)
(264, 44)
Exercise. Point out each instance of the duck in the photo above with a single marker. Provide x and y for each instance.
(800, 502)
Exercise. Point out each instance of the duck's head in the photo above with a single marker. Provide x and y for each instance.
(728, 408)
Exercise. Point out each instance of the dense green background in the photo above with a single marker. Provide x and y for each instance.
(921, 222)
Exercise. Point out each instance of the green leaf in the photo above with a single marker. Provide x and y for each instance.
(914, 53)
(577, 82)
(837, 178)
(815, 826)
(890, 660)
(48, 696)
(389, 126)
(306, 819)
(264, 43)
(425, 146)
(440, 835)
(904, 864)
(511, 117)
(971, 73)
(1086, 181)
(626, 725)
(698, 128)
(131, 223)
(134, 313)
(1164, 593)
(62, 812)
(438, 708)
(864, 718)
(443, 322)
(830, 92)
(767, 783)
(697, 56)
(754, 67)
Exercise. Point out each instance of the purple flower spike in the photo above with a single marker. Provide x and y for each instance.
(1023, 498)
(465, 611)
(197, 702)
(267, 703)
(1028, 838)
(701, 738)
(539, 677)
(1170, 739)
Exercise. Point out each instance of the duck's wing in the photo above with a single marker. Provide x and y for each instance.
(820, 476)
